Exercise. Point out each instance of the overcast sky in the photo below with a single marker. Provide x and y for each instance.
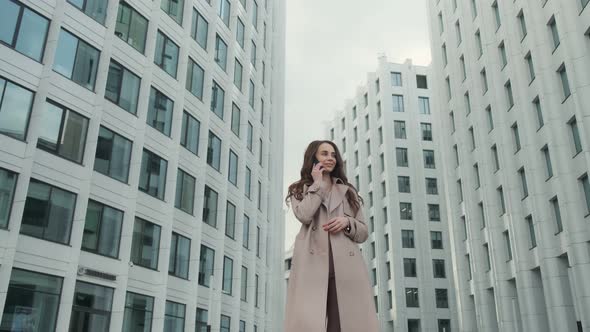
(331, 46)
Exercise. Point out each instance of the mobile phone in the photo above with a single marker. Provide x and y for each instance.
(315, 161)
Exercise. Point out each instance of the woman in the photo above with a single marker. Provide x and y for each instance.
(329, 278)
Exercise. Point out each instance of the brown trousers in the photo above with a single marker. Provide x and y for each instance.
(332, 303)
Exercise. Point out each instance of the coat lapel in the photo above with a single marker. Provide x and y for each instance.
(338, 195)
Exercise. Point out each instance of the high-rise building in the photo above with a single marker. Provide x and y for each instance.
(136, 189)
(511, 82)
(386, 134)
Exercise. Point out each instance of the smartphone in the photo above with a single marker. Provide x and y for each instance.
(315, 161)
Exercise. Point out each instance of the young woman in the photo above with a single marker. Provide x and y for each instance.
(329, 278)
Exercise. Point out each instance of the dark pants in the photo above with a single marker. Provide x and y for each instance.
(332, 303)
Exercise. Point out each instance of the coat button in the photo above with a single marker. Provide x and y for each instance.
(314, 228)
(351, 253)
(311, 251)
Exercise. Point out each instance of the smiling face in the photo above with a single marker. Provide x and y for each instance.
(326, 155)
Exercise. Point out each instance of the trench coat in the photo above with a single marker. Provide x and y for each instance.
(307, 290)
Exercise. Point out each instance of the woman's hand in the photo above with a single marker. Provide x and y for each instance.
(317, 172)
(336, 224)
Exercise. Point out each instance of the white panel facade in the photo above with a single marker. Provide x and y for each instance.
(78, 81)
(512, 82)
(407, 221)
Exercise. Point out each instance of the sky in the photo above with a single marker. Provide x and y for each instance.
(331, 45)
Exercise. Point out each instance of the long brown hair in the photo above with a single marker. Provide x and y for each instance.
(296, 188)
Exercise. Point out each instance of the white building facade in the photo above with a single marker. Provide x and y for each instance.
(386, 136)
(512, 81)
(136, 190)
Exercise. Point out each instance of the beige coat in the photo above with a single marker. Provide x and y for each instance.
(308, 282)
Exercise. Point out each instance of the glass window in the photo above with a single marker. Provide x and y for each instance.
(160, 112)
(102, 229)
(424, 104)
(166, 56)
(564, 81)
(410, 267)
(573, 123)
(97, 9)
(210, 206)
(248, 183)
(238, 71)
(439, 268)
(131, 27)
(174, 318)
(230, 220)
(15, 109)
(113, 155)
(185, 191)
(253, 54)
(398, 103)
(585, 189)
(401, 157)
(441, 298)
(235, 119)
(421, 82)
(232, 175)
(22, 29)
(426, 129)
(554, 33)
(407, 238)
(224, 11)
(206, 265)
(403, 183)
(145, 246)
(214, 151)
(246, 232)
(220, 52)
(91, 310)
(436, 240)
(251, 93)
(444, 325)
(200, 29)
(32, 298)
(399, 129)
(152, 178)
(139, 310)
(433, 212)
(396, 79)
(244, 284)
(195, 79)
(255, 14)
(64, 132)
(7, 188)
(201, 320)
(249, 138)
(189, 136)
(48, 212)
(412, 298)
(173, 8)
(557, 214)
(180, 248)
(431, 186)
(76, 60)
(228, 268)
(122, 87)
(225, 324)
(217, 100)
(240, 33)
(405, 210)
(429, 159)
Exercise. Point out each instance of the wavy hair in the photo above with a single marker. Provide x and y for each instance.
(296, 189)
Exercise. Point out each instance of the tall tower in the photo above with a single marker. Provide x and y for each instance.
(136, 190)
(512, 84)
(387, 136)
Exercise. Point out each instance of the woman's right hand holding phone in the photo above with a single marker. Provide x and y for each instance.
(317, 172)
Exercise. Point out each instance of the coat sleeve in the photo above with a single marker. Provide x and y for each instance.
(306, 208)
(358, 228)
